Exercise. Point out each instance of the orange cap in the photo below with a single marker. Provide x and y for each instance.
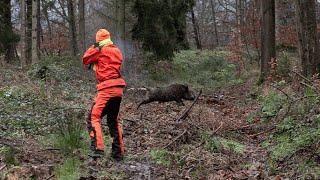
(102, 34)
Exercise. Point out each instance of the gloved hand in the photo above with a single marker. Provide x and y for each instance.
(92, 66)
(96, 45)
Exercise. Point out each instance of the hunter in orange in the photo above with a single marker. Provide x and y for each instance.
(105, 58)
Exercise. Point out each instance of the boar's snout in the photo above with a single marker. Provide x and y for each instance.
(189, 95)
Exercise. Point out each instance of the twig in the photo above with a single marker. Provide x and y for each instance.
(303, 77)
(67, 108)
(280, 91)
(186, 112)
(175, 139)
(2, 167)
(50, 149)
(215, 131)
(185, 156)
(242, 127)
(133, 121)
(310, 86)
(50, 177)
(308, 80)
(211, 134)
(263, 132)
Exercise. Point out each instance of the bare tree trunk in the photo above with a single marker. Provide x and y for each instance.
(45, 7)
(35, 50)
(197, 37)
(307, 33)
(268, 51)
(72, 29)
(82, 34)
(213, 6)
(120, 24)
(240, 19)
(8, 47)
(23, 58)
(46, 16)
(29, 32)
(39, 29)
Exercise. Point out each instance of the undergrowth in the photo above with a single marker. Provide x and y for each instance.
(161, 157)
(9, 156)
(218, 144)
(70, 169)
(295, 140)
(215, 70)
(47, 100)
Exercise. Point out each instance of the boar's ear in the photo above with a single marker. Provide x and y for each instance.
(186, 86)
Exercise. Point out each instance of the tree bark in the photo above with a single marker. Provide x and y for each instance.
(29, 32)
(82, 34)
(215, 28)
(39, 29)
(197, 37)
(72, 29)
(23, 58)
(10, 46)
(240, 19)
(35, 50)
(268, 51)
(120, 13)
(307, 34)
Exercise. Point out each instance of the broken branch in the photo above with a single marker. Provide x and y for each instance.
(2, 167)
(175, 139)
(186, 112)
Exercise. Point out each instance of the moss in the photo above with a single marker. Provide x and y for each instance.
(161, 157)
(216, 144)
(288, 143)
(232, 145)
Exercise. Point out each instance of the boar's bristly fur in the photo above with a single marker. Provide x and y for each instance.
(173, 92)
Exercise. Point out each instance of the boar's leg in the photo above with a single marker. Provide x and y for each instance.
(144, 102)
(180, 102)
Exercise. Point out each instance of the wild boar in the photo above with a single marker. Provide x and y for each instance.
(173, 92)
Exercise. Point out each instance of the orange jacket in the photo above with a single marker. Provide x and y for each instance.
(107, 62)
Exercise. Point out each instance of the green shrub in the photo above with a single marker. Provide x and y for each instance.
(297, 132)
(186, 66)
(69, 132)
(284, 64)
(271, 104)
(289, 142)
(69, 170)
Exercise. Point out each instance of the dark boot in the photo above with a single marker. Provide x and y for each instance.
(96, 154)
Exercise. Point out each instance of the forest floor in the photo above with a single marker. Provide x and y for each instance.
(160, 147)
(217, 140)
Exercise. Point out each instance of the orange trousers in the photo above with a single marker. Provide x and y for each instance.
(107, 102)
